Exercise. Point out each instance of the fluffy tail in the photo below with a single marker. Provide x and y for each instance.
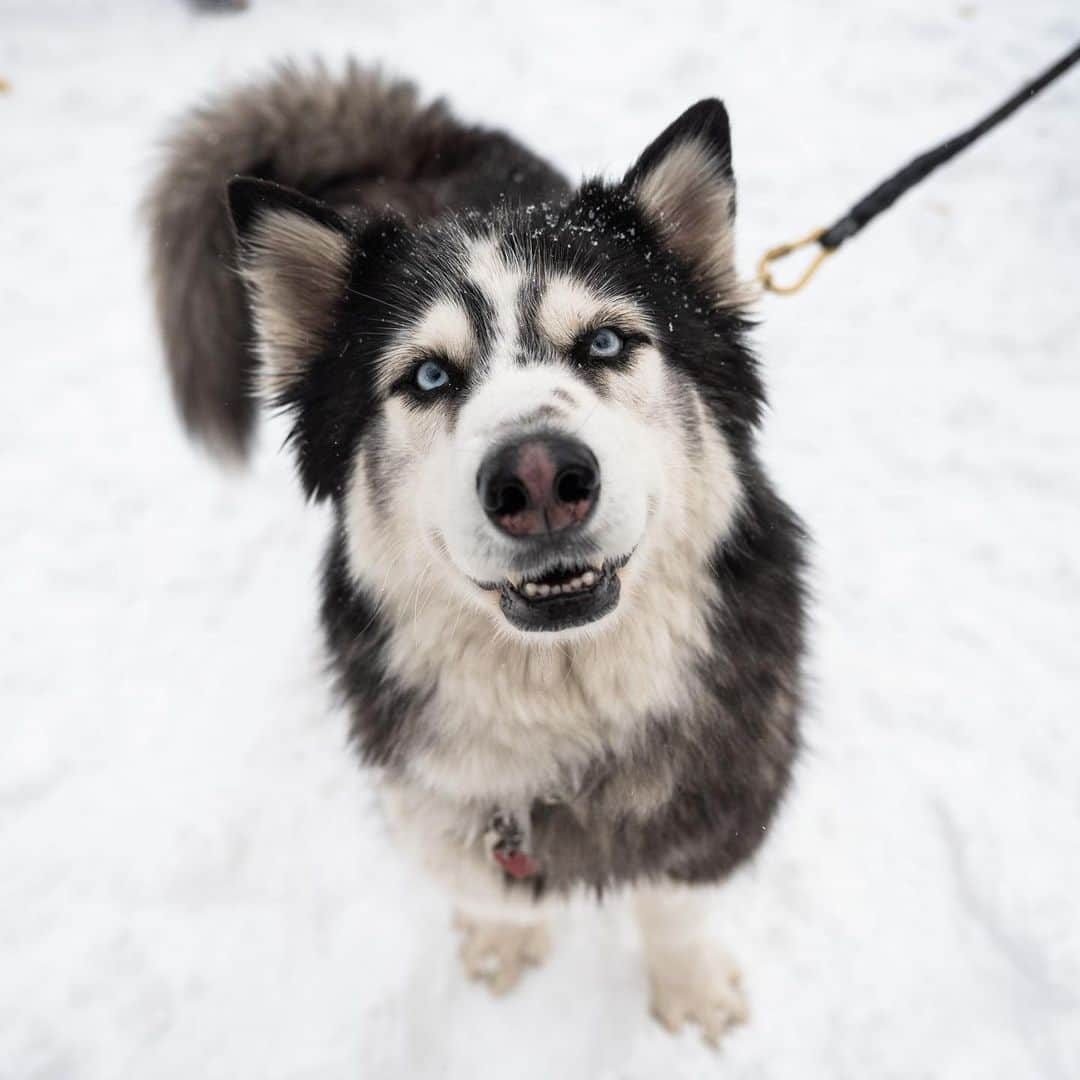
(349, 135)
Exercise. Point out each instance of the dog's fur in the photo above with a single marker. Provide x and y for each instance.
(646, 748)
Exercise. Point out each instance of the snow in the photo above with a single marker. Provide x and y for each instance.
(194, 880)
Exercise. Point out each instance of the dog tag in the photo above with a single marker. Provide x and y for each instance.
(508, 842)
(516, 863)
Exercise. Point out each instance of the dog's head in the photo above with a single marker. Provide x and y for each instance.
(537, 408)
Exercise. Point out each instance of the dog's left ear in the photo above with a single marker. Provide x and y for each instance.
(684, 185)
(294, 256)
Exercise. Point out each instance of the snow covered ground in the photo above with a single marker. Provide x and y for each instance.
(194, 881)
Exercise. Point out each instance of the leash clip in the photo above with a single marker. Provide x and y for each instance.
(781, 251)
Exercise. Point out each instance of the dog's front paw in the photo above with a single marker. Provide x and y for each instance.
(701, 985)
(497, 953)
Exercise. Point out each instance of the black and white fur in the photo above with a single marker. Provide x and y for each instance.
(642, 742)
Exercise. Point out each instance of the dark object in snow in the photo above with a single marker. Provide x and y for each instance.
(219, 5)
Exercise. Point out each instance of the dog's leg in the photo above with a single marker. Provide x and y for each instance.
(690, 977)
(498, 945)
(503, 931)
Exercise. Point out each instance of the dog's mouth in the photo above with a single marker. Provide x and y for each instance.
(563, 598)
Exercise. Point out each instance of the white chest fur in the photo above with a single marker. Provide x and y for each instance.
(512, 718)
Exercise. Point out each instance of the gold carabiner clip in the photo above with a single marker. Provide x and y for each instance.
(782, 250)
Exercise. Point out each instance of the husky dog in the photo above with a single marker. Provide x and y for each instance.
(562, 599)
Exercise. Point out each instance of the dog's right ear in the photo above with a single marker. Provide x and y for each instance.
(294, 256)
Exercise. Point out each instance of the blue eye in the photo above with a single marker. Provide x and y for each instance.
(605, 344)
(431, 376)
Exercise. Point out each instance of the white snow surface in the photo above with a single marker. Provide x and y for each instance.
(194, 877)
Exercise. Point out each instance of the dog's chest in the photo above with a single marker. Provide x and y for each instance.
(516, 718)
(532, 726)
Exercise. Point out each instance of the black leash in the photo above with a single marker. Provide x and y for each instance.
(885, 194)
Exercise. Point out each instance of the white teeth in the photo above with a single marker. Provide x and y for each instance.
(597, 564)
(534, 589)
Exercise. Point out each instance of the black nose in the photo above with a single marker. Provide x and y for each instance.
(541, 484)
